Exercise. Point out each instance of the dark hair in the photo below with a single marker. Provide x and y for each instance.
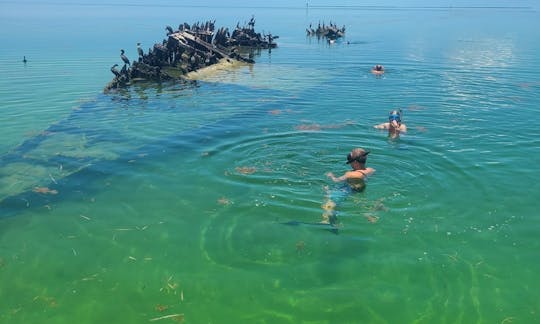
(357, 154)
(396, 112)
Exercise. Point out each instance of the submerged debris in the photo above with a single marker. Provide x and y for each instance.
(187, 49)
(45, 190)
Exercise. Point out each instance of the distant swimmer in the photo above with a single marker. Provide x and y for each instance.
(124, 57)
(394, 125)
(24, 60)
(378, 69)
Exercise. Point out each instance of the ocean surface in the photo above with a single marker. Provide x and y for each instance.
(175, 202)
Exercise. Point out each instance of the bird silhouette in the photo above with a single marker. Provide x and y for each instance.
(124, 57)
(115, 71)
(140, 51)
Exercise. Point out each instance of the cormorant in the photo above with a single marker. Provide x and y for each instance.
(124, 57)
(169, 30)
(115, 71)
(140, 51)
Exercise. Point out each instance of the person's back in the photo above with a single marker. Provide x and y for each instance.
(355, 179)
(357, 184)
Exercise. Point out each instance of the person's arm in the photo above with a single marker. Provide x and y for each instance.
(403, 128)
(336, 179)
(382, 126)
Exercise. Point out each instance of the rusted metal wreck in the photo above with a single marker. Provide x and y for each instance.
(190, 48)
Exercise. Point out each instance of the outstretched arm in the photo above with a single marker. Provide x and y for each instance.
(336, 179)
(382, 126)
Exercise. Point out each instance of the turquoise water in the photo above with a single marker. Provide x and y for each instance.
(170, 198)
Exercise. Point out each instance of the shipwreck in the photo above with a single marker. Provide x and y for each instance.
(331, 31)
(190, 48)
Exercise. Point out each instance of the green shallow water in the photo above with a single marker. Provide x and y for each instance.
(170, 199)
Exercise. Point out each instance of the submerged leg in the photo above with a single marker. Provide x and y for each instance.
(329, 212)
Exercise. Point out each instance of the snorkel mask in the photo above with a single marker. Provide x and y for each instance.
(361, 158)
(395, 115)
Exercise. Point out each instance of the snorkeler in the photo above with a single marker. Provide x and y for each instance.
(355, 182)
(377, 69)
(394, 124)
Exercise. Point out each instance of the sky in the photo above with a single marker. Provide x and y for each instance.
(39, 8)
(301, 3)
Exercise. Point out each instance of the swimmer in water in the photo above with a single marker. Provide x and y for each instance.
(394, 125)
(377, 69)
(354, 181)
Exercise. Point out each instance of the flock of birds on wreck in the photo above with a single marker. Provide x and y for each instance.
(203, 31)
(331, 32)
(160, 54)
(193, 47)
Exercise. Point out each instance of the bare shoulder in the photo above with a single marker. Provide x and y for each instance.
(369, 171)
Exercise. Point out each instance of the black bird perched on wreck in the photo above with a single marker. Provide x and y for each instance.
(115, 71)
(140, 51)
(124, 57)
(169, 30)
